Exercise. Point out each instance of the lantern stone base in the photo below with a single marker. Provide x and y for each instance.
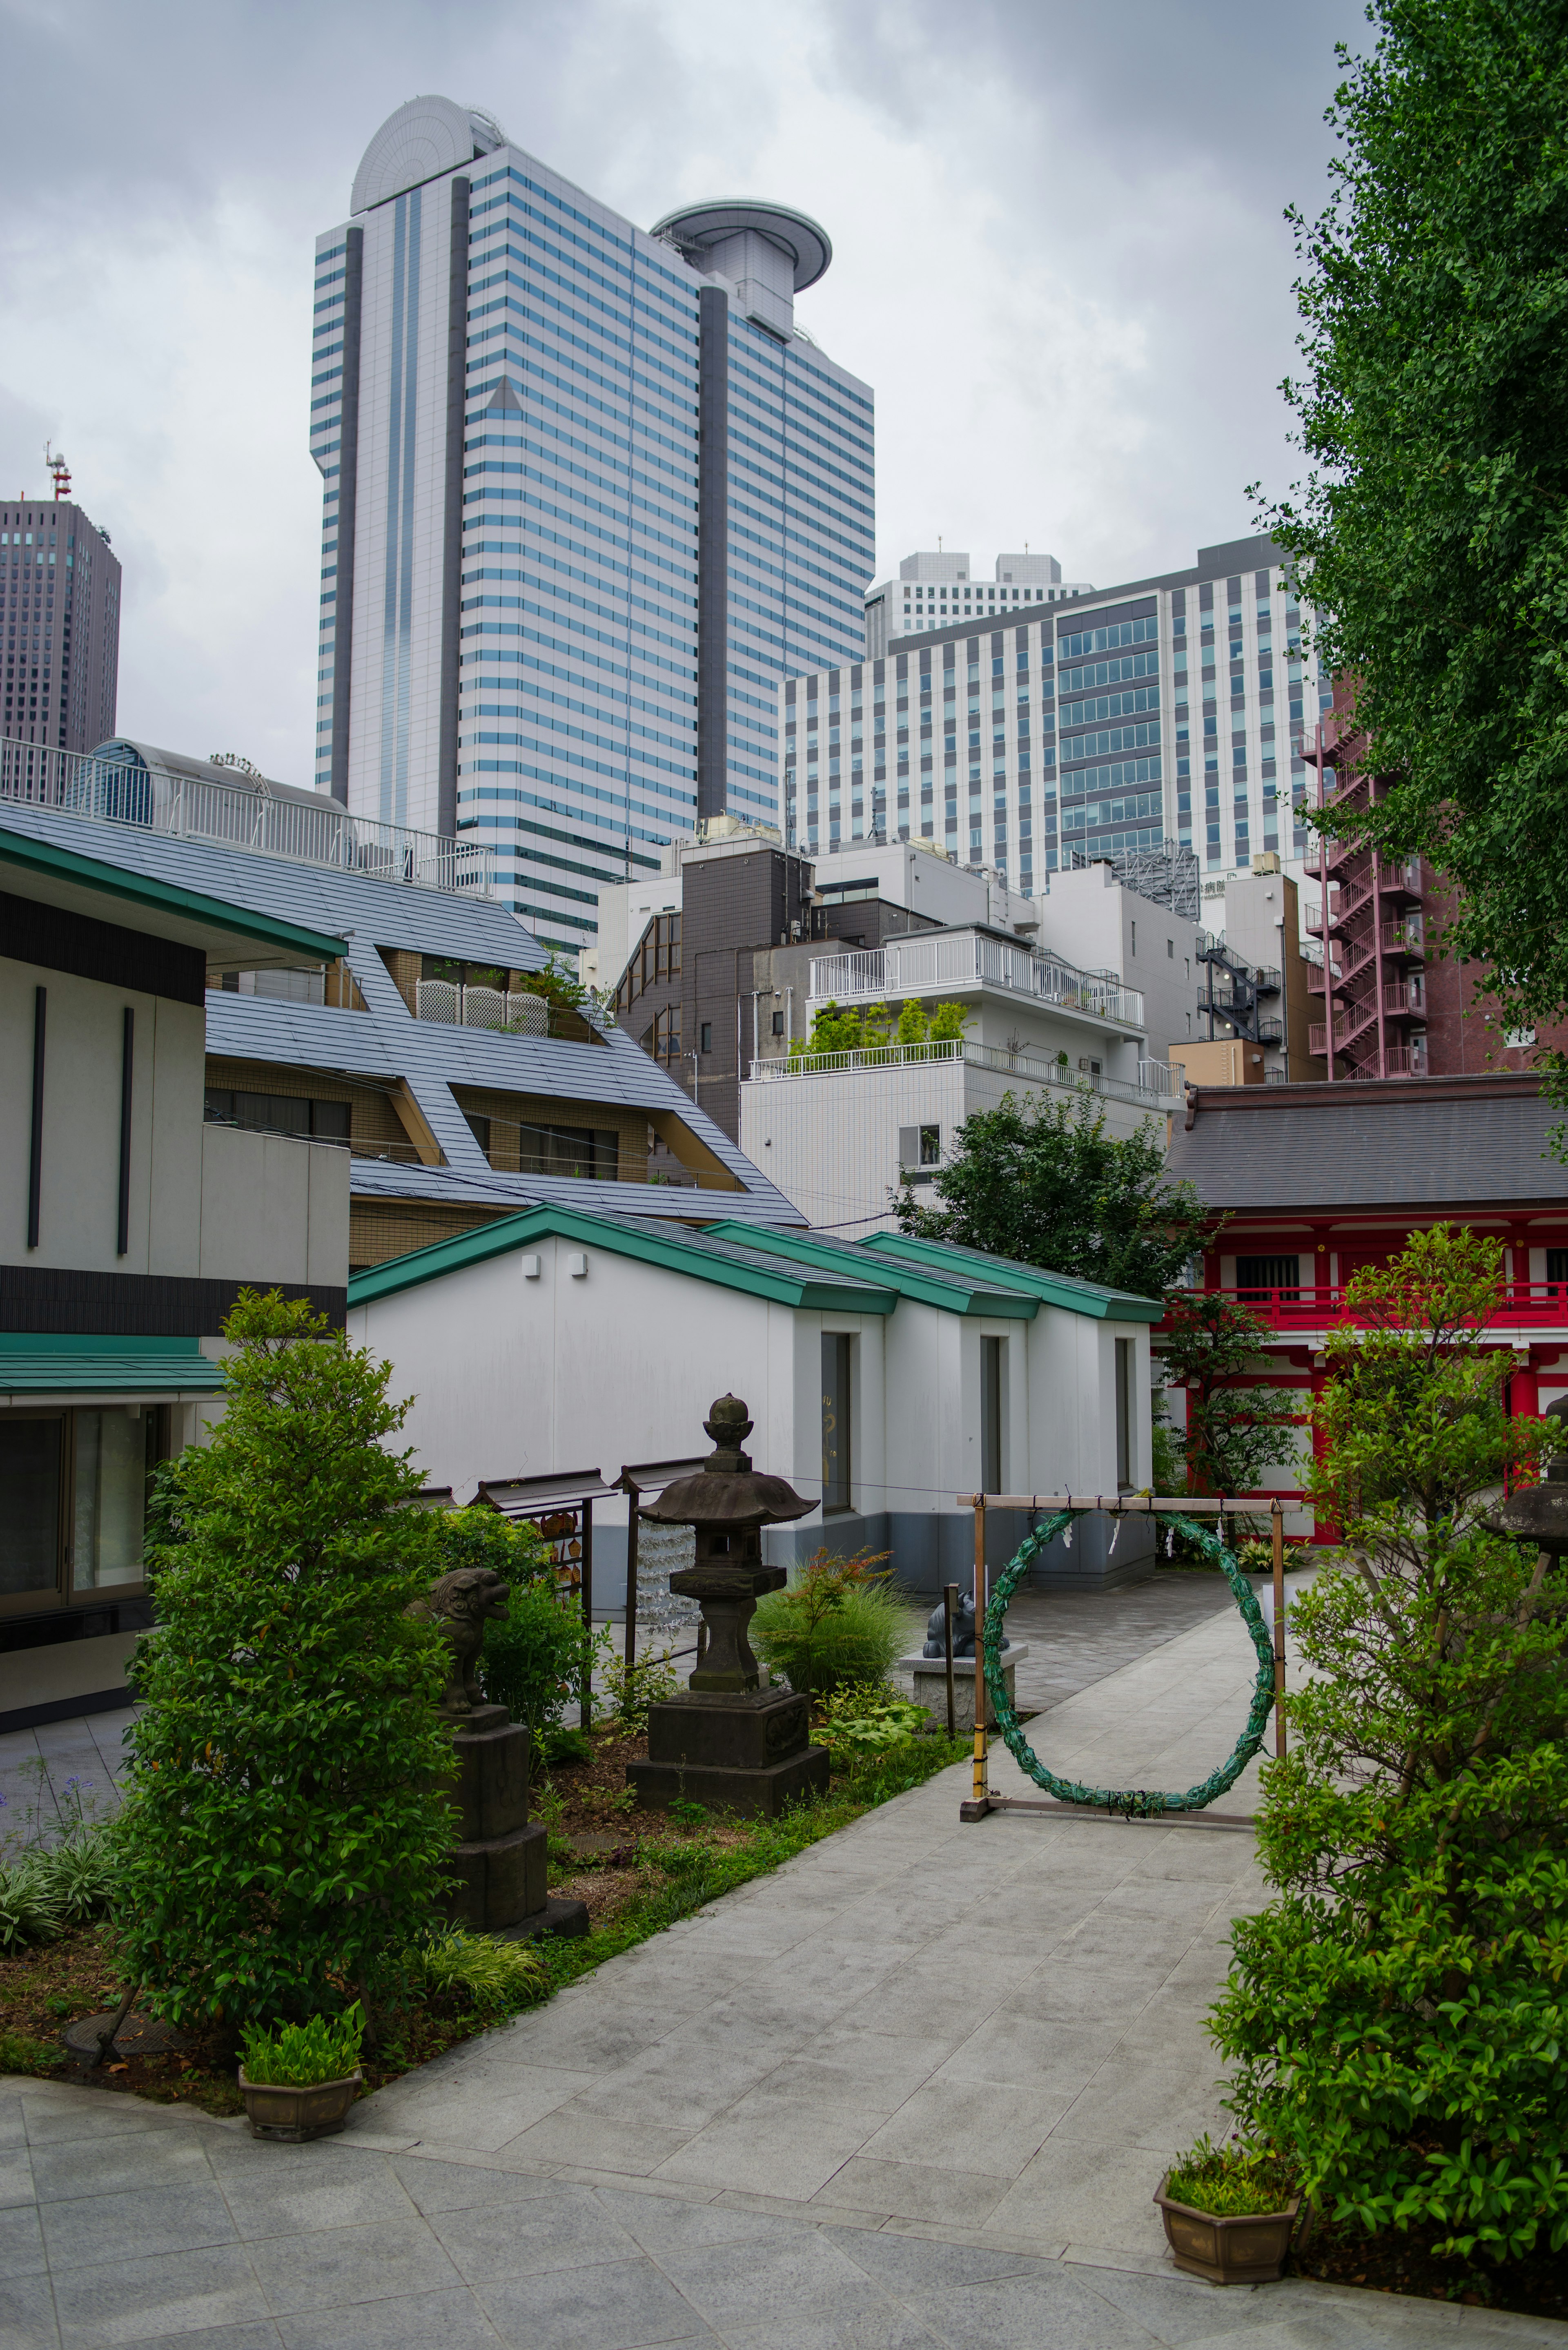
(751, 1753)
(502, 1880)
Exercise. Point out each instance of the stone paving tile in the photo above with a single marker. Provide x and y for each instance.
(622, 2305)
(21, 2243)
(87, 2230)
(338, 2265)
(567, 2229)
(27, 2319)
(173, 2293)
(451, 2320)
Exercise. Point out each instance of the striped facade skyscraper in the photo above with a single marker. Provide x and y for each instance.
(590, 493)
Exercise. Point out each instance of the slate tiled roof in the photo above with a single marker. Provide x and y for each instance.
(386, 1043)
(1425, 1143)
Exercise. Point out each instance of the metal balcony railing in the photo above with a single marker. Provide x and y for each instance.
(238, 816)
(1160, 1083)
(924, 966)
(510, 1012)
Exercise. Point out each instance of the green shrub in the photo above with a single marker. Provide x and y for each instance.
(285, 1841)
(535, 1657)
(839, 1622)
(302, 2055)
(1399, 2016)
(1230, 2182)
(82, 1874)
(498, 1974)
(649, 1681)
(867, 1718)
(564, 1745)
(30, 1905)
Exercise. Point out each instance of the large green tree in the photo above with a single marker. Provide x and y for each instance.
(1432, 533)
(1045, 1184)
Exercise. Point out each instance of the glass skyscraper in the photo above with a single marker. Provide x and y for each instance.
(590, 493)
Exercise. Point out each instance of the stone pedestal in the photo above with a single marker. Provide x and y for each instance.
(928, 1678)
(500, 1861)
(748, 1752)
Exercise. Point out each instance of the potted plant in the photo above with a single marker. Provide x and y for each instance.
(299, 2082)
(1229, 2213)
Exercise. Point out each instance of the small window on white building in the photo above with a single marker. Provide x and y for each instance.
(837, 1460)
(992, 1412)
(1125, 1449)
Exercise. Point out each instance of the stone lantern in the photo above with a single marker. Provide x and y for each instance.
(1539, 1513)
(725, 1740)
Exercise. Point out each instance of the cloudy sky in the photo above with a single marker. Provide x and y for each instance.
(1059, 258)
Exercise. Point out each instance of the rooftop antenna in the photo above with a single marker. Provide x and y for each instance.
(60, 470)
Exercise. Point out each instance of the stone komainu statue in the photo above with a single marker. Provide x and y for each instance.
(463, 1603)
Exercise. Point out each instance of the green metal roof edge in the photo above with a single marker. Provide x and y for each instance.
(21, 848)
(1063, 1289)
(950, 1294)
(548, 1220)
(93, 1342)
(52, 1373)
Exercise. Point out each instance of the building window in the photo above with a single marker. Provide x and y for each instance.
(992, 1399)
(778, 1023)
(1557, 1265)
(1257, 1275)
(837, 1460)
(705, 1036)
(75, 1498)
(321, 1121)
(1125, 1356)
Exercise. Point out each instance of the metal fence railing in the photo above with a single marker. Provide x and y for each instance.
(967, 959)
(112, 790)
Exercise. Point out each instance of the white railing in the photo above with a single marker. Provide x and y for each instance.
(967, 959)
(1158, 1081)
(238, 816)
(508, 1011)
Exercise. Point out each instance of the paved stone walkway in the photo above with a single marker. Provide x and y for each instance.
(915, 2089)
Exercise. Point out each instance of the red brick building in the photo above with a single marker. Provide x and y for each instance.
(1317, 1182)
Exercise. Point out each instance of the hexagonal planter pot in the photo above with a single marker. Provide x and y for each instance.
(1248, 2248)
(286, 2111)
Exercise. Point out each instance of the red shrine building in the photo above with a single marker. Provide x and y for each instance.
(1317, 1182)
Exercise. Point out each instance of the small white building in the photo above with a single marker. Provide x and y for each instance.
(884, 1379)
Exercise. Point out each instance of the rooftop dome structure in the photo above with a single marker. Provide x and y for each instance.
(770, 252)
(428, 137)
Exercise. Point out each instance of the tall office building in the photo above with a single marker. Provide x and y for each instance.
(590, 492)
(1169, 709)
(59, 613)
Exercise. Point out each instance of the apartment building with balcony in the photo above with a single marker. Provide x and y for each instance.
(130, 1226)
(1315, 1183)
(461, 1084)
(842, 1132)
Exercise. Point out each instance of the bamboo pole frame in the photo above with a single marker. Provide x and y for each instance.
(980, 1800)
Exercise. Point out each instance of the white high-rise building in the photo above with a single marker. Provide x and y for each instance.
(590, 493)
(1168, 711)
(933, 590)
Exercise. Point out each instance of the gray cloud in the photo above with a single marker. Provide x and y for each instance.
(1060, 261)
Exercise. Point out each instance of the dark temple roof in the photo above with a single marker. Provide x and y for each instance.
(1421, 1142)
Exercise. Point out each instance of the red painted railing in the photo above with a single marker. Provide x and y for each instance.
(1521, 1304)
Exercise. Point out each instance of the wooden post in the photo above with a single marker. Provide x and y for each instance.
(949, 1594)
(633, 1496)
(1277, 1529)
(586, 1713)
(979, 1798)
